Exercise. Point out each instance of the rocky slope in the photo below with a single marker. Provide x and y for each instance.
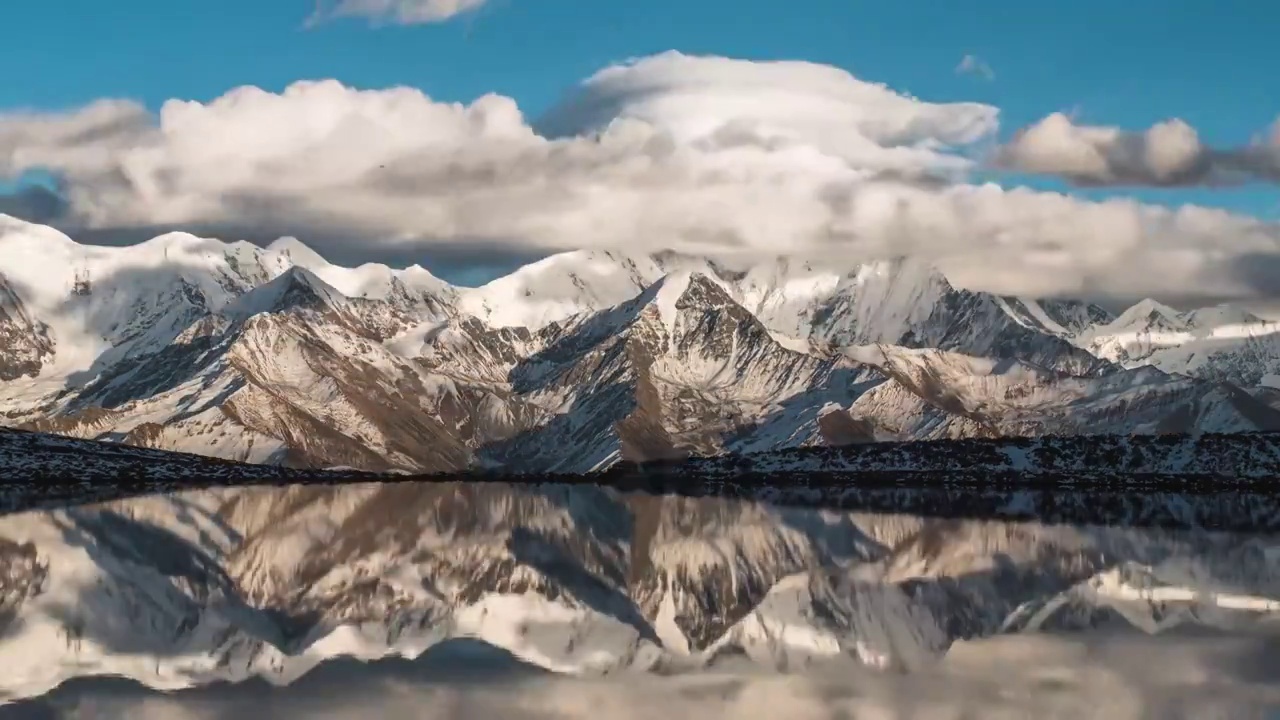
(194, 586)
(273, 355)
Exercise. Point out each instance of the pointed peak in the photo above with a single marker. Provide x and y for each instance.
(303, 277)
(419, 279)
(706, 287)
(1150, 312)
(681, 290)
(680, 286)
(1148, 306)
(416, 270)
(296, 287)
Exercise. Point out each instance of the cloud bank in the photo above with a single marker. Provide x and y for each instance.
(1166, 155)
(399, 12)
(698, 154)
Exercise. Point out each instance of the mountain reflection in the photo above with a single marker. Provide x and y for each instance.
(463, 596)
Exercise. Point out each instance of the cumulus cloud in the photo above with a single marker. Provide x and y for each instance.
(668, 150)
(974, 65)
(1167, 154)
(80, 142)
(702, 155)
(399, 12)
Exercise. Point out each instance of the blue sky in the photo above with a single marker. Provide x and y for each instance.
(1127, 63)
(1132, 63)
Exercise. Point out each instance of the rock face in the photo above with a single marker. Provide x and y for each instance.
(25, 344)
(196, 586)
(576, 362)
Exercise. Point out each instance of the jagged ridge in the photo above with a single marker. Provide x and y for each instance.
(276, 356)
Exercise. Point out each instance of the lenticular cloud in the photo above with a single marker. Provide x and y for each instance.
(722, 102)
(698, 154)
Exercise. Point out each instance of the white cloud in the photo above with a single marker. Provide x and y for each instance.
(400, 12)
(696, 154)
(974, 65)
(78, 142)
(777, 103)
(1169, 153)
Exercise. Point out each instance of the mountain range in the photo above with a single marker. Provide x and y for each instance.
(581, 360)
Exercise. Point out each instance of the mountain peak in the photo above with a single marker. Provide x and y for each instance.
(681, 290)
(666, 294)
(298, 252)
(560, 286)
(1149, 314)
(296, 287)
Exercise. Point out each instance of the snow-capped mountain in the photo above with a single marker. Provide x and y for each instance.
(1007, 397)
(1223, 343)
(898, 302)
(194, 586)
(575, 362)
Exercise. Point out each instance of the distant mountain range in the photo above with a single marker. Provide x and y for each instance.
(581, 360)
